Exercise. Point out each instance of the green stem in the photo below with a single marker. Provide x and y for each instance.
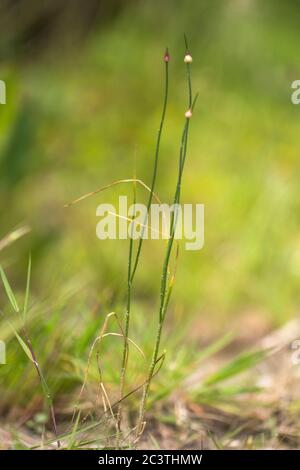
(155, 168)
(127, 323)
(132, 267)
(164, 292)
(45, 387)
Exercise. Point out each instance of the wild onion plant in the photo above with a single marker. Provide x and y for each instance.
(134, 257)
(166, 280)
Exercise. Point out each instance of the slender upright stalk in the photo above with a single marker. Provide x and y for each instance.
(139, 248)
(127, 322)
(132, 265)
(164, 291)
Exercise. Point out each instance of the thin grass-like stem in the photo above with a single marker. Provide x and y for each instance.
(127, 319)
(133, 262)
(154, 175)
(166, 287)
(45, 388)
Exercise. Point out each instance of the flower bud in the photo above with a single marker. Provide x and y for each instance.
(188, 59)
(166, 56)
(188, 113)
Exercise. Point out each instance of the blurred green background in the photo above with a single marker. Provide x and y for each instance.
(84, 97)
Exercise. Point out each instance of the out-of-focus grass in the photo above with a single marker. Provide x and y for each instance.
(74, 122)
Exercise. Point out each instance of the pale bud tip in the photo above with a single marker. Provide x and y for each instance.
(188, 59)
(167, 56)
(188, 114)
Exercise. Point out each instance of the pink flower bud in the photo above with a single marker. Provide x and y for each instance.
(166, 56)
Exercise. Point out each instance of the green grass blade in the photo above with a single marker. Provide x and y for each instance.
(215, 347)
(240, 364)
(72, 442)
(22, 343)
(9, 290)
(25, 309)
(222, 394)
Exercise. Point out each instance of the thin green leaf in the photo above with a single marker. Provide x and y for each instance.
(72, 442)
(215, 347)
(27, 289)
(219, 394)
(240, 364)
(8, 290)
(22, 343)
